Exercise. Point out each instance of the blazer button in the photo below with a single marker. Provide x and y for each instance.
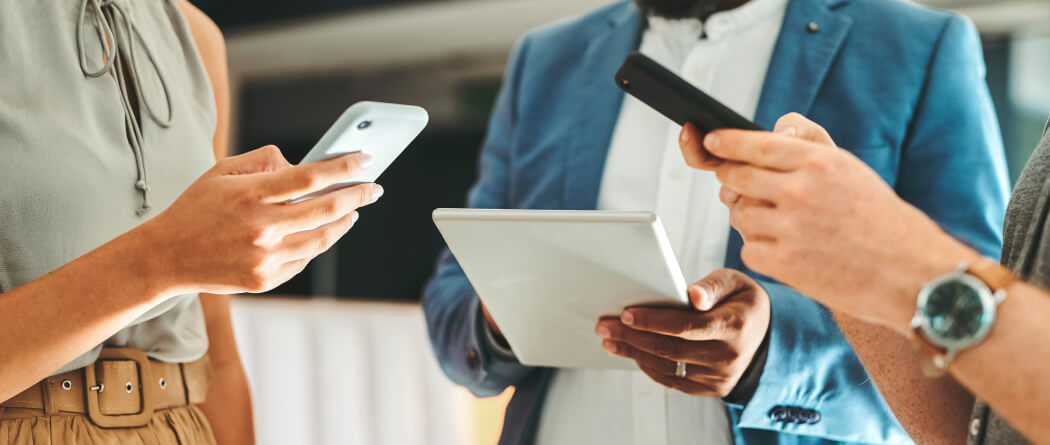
(473, 361)
(779, 413)
(811, 416)
(794, 414)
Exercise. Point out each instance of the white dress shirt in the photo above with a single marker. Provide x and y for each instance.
(645, 171)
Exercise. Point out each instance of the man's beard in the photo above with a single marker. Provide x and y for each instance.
(681, 9)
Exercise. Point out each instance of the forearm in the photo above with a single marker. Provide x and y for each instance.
(932, 411)
(228, 406)
(1009, 368)
(50, 321)
(456, 325)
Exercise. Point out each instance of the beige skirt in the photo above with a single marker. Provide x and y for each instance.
(184, 425)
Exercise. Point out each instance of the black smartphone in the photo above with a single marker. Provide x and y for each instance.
(675, 98)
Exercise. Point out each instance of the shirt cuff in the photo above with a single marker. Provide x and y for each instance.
(748, 383)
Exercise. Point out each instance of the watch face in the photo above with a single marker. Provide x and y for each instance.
(954, 311)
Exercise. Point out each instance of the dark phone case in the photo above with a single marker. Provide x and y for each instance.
(675, 98)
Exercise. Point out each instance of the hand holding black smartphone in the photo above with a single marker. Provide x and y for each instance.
(674, 97)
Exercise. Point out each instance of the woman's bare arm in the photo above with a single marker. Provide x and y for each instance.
(48, 322)
(229, 403)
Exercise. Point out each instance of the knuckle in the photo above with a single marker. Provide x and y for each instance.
(687, 323)
(722, 173)
(820, 164)
(258, 236)
(786, 225)
(257, 279)
(725, 357)
(741, 175)
(322, 243)
(731, 356)
(349, 165)
(727, 275)
(663, 348)
(788, 119)
(793, 191)
(307, 179)
(364, 194)
(733, 321)
(271, 150)
(725, 195)
(722, 389)
(736, 217)
(255, 259)
(741, 223)
(767, 148)
(329, 208)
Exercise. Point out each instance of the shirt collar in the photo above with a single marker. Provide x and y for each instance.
(720, 24)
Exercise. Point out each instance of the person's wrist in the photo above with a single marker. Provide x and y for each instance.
(152, 263)
(914, 269)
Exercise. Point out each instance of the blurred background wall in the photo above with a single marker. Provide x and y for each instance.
(346, 358)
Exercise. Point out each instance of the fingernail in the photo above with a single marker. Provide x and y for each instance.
(610, 346)
(377, 191)
(366, 160)
(603, 332)
(627, 318)
(787, 131)
(685, 138)
(711, 140)
(354, 217)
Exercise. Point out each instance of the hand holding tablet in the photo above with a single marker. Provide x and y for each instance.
(547, 276)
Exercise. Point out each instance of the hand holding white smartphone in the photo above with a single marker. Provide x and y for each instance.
(380, 129)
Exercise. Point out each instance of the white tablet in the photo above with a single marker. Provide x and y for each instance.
(548, 276)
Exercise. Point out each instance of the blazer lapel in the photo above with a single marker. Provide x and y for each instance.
(597, 107)
(811, 37)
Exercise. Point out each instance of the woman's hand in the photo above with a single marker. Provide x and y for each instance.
(818, 219)
(234, 230)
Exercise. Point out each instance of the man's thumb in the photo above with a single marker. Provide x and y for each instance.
(708, 292)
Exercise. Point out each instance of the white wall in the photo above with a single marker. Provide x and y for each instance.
(338, 372)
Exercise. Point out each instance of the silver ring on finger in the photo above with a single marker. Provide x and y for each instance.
(681, 370)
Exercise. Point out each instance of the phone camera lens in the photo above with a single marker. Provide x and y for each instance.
(364, 124)
(625, 84)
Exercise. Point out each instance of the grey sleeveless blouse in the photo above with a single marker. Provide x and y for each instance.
(96, 139)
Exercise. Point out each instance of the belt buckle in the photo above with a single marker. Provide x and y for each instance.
(93, 388)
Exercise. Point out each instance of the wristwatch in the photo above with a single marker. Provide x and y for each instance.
(956, 311)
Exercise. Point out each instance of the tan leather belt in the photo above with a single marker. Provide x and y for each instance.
(122, 389)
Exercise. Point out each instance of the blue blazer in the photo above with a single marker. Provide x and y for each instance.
(900, 85)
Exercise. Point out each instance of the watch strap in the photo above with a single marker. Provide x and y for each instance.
(934, 358)
(993, 275)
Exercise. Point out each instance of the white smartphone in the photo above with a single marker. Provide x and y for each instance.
(380, 129)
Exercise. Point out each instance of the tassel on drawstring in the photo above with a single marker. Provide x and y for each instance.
(113, 40)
